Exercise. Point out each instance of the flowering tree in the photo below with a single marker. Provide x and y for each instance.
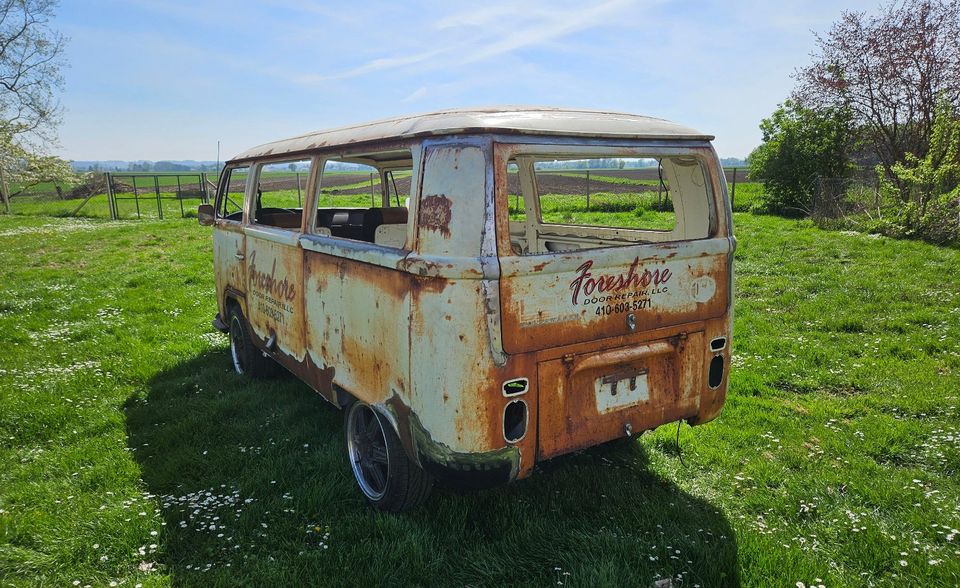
(22, 168)
(933, 213)
(889, 70)
(31, 55)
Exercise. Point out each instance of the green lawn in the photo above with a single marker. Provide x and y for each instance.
(745, 196)
(129, 452)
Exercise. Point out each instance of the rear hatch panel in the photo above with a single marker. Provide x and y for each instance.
(593, 397)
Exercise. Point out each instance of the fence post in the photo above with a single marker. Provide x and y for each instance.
(156, 187)
(733, 194)
(588, 191)
(180, 196)
(817, 198)
(299, 199)
(136, 195)
(372, 203)
(111, 204)
(876, 193)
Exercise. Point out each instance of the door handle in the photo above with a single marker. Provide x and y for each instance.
(240, 256)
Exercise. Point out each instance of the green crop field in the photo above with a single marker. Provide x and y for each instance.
(130, 452)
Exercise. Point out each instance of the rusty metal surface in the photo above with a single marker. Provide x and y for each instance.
(274, 293)
(571, 414)
(557, 299)
(229, 246)
(524, 120)
(605, 337)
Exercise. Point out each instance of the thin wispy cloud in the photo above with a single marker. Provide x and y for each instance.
(188, 74)
(381, 63)
(416, 94)
(488, 33)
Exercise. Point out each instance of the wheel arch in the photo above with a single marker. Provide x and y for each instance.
(399, 423)
(234, 298)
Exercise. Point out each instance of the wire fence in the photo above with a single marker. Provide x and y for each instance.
(859, 202)
(145, 195)
(836, 198)
(156, 192)
(123, 195)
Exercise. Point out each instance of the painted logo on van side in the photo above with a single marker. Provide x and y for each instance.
(279, 289)
(273, 298)
(613, 286)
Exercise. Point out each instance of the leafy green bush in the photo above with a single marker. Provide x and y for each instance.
(935, 222)
(929, 187)
(799, 146)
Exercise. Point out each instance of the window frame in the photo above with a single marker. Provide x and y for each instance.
(415, 149)
(509, 149)
(223, 192)
(254, 181)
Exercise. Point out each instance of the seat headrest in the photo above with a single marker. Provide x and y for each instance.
(393, 215)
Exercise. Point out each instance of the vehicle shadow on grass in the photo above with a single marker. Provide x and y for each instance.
(254, 488)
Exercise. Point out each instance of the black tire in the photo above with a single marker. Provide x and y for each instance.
(247, 359)
(381, 468)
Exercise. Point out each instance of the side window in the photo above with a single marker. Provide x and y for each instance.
(349, 185)
(280, 194)
(365, 197)
(233, 183)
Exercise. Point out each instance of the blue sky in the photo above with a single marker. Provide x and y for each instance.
(167, 79)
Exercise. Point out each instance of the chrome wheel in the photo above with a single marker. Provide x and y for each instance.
(367, 449)
(238, 344)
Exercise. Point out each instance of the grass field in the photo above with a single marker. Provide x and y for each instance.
(130, 453)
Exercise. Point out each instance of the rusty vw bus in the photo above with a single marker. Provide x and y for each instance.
(472, 309)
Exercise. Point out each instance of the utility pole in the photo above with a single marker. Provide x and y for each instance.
(218, 158)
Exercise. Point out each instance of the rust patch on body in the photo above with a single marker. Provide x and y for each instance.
(435, 214)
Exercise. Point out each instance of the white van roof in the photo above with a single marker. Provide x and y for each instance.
(530, 120)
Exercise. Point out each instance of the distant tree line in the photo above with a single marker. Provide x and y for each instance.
(146, 166)
(598, 163)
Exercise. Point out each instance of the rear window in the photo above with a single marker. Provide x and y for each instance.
(605, 192)
(559, 202)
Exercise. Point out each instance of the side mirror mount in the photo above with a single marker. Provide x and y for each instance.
(205, 214)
